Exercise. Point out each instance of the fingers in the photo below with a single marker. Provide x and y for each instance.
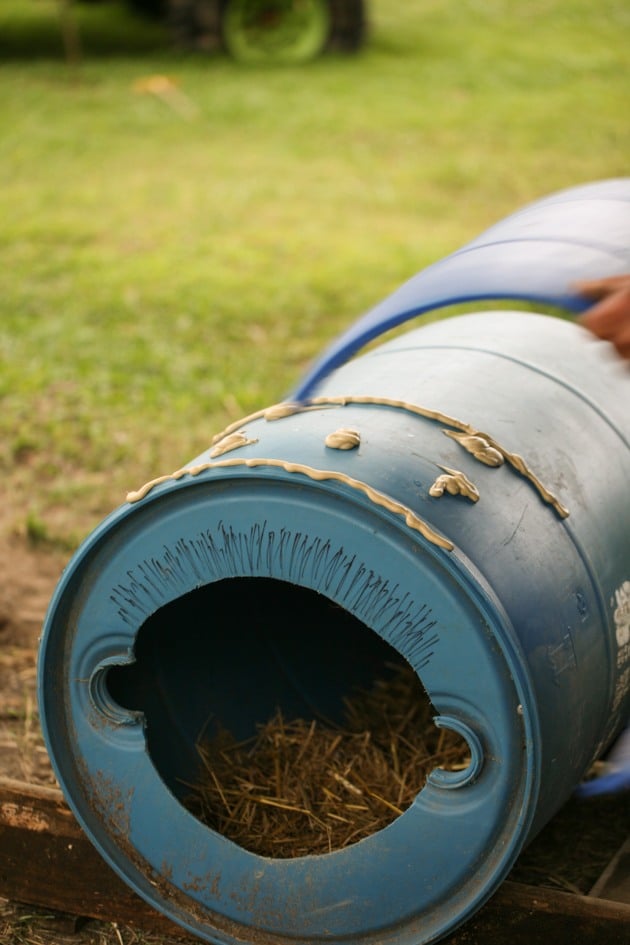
(622, 342)
(606, 321)
(609, 318)
(600, 288)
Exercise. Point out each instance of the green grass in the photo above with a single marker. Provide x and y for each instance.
(166, 269)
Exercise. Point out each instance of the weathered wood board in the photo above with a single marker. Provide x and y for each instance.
(46, 860)
(614, 883)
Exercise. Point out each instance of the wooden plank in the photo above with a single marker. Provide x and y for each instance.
(527, 915)
(614, 883)
(46, 860)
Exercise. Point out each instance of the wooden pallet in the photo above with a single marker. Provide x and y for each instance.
(47, 861)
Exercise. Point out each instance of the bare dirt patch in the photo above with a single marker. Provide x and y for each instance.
(29, 576)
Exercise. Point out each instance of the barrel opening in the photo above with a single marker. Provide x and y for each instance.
(265, 670)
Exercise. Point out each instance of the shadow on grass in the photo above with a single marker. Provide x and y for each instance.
(39, 30)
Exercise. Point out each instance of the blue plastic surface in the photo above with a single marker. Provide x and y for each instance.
(536, 255)
(132, 812)
(284, 572)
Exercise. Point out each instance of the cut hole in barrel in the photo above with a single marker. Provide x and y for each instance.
(279, 719)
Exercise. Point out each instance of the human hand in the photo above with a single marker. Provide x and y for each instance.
(614, 773)
(609, 317)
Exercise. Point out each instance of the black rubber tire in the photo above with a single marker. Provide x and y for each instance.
(153, 9)
(348, 25)
(276, 31)
(196, 24)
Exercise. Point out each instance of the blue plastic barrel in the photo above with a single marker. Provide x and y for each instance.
(458, 495)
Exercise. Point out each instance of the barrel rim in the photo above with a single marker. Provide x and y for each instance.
(455, 562)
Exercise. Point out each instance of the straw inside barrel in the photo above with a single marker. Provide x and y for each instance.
(308, 786)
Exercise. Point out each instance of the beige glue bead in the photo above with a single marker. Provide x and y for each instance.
(343, 439)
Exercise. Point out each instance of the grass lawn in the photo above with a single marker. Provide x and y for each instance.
(170, 263)
(180, 235)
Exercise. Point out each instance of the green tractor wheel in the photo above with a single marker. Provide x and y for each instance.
(276, 31)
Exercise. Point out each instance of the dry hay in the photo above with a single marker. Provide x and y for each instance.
(303, 787)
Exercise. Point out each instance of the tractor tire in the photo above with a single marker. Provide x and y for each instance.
(196, 24)
(263, 31)
(152, 9)
(276, 31)
(348, 25)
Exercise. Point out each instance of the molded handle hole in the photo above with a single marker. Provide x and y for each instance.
(462, 775)
(103, 695)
